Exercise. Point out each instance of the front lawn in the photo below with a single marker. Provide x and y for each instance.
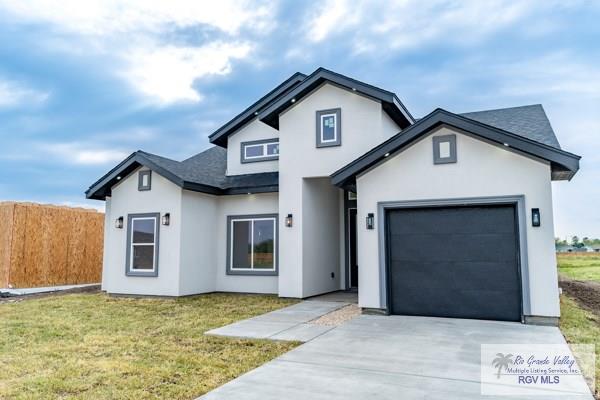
(580, 326)
(92, 346)
(582, 266)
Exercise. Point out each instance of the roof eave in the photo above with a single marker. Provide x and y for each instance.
(565, 164)
(219, 137)
(390, 102)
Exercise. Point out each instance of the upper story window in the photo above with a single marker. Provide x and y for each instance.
(144, 180)
(329, 127)
(260, 150)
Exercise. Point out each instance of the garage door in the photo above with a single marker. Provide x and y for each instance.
(459, 262)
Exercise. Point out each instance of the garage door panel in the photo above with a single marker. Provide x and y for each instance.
(459, 262)
(453, 220)
(453, 247)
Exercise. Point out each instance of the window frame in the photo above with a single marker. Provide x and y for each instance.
(337, 141)
(252, 271)
(437, 141)
(129, 270)
(265, 143)
(141, 186)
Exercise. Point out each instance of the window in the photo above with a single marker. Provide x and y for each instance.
(260, 150)
(144, 180)
(329, 124)
(142, 244)
(444, 149)
(252, 245)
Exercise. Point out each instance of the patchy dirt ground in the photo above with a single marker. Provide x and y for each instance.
(16, 299)
(586, 293)
(339, 316)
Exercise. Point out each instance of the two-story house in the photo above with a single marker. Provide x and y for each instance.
(328, 183)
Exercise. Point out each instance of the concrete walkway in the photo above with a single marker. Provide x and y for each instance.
(290, 323)
(388, 357)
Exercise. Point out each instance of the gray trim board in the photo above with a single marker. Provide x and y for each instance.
(338, 127)
(437, 141)
(517, 200)
(228, 270)
(389, 101)
(141, 186)
(564, 164)
(128, 271)
(245, 160)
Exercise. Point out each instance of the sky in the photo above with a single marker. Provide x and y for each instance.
(85, 83)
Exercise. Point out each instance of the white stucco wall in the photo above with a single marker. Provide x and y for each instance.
(364, 125)
(198, 265)
(254, 130)
(266, 203)
(126, 199)
(482, 170)
(320, 239)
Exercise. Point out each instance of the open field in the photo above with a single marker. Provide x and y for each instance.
(92, 346)
(579, 266)
(580, 326)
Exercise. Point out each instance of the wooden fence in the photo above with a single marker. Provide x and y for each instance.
(44, 245)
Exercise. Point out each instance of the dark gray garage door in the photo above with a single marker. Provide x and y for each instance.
(459, 262)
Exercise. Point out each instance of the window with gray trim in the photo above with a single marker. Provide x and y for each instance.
(329, 127)
(142, 244)
(260, 150)
(252, 244)
(144, 180)
(444, 149)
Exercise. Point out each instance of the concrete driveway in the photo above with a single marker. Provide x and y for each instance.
(387, 357)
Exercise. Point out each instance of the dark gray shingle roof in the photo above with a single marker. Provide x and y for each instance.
(527, 121)
(204, 172)
(209, 168)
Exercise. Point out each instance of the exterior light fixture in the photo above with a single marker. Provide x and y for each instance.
(293, 100)
(119, 177)
(166, 219)
(289, 221)
(119, 223)
(370, 221)
(386, 155)
(354, 89)
(506, 144)
(536, 219)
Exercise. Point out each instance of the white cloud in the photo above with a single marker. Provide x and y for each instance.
(82, 154)
(16, 94)
(131, 35)
(403, 24)
(168, 73)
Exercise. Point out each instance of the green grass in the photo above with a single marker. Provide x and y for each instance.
(91, 346)
(585, 267)
(580, 326)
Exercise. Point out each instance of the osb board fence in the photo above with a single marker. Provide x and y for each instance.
(45, 245)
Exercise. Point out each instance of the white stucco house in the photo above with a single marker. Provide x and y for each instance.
(327, 183)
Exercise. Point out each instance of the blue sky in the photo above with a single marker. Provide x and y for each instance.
(83, 84)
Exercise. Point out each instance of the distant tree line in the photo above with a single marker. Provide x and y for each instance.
(577, 243)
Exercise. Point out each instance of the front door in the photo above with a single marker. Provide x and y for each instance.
(352, 247)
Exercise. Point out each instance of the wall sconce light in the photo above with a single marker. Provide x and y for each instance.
(536, 219)
(166, 219)
(119, 223)
(289, 221)
(370, 221)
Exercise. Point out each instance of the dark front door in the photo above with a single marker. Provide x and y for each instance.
(459, 262)
(352, 247)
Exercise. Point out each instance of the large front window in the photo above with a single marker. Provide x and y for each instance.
(252, 245)
(142, 244)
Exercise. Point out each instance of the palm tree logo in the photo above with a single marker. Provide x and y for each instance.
(502, 361)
